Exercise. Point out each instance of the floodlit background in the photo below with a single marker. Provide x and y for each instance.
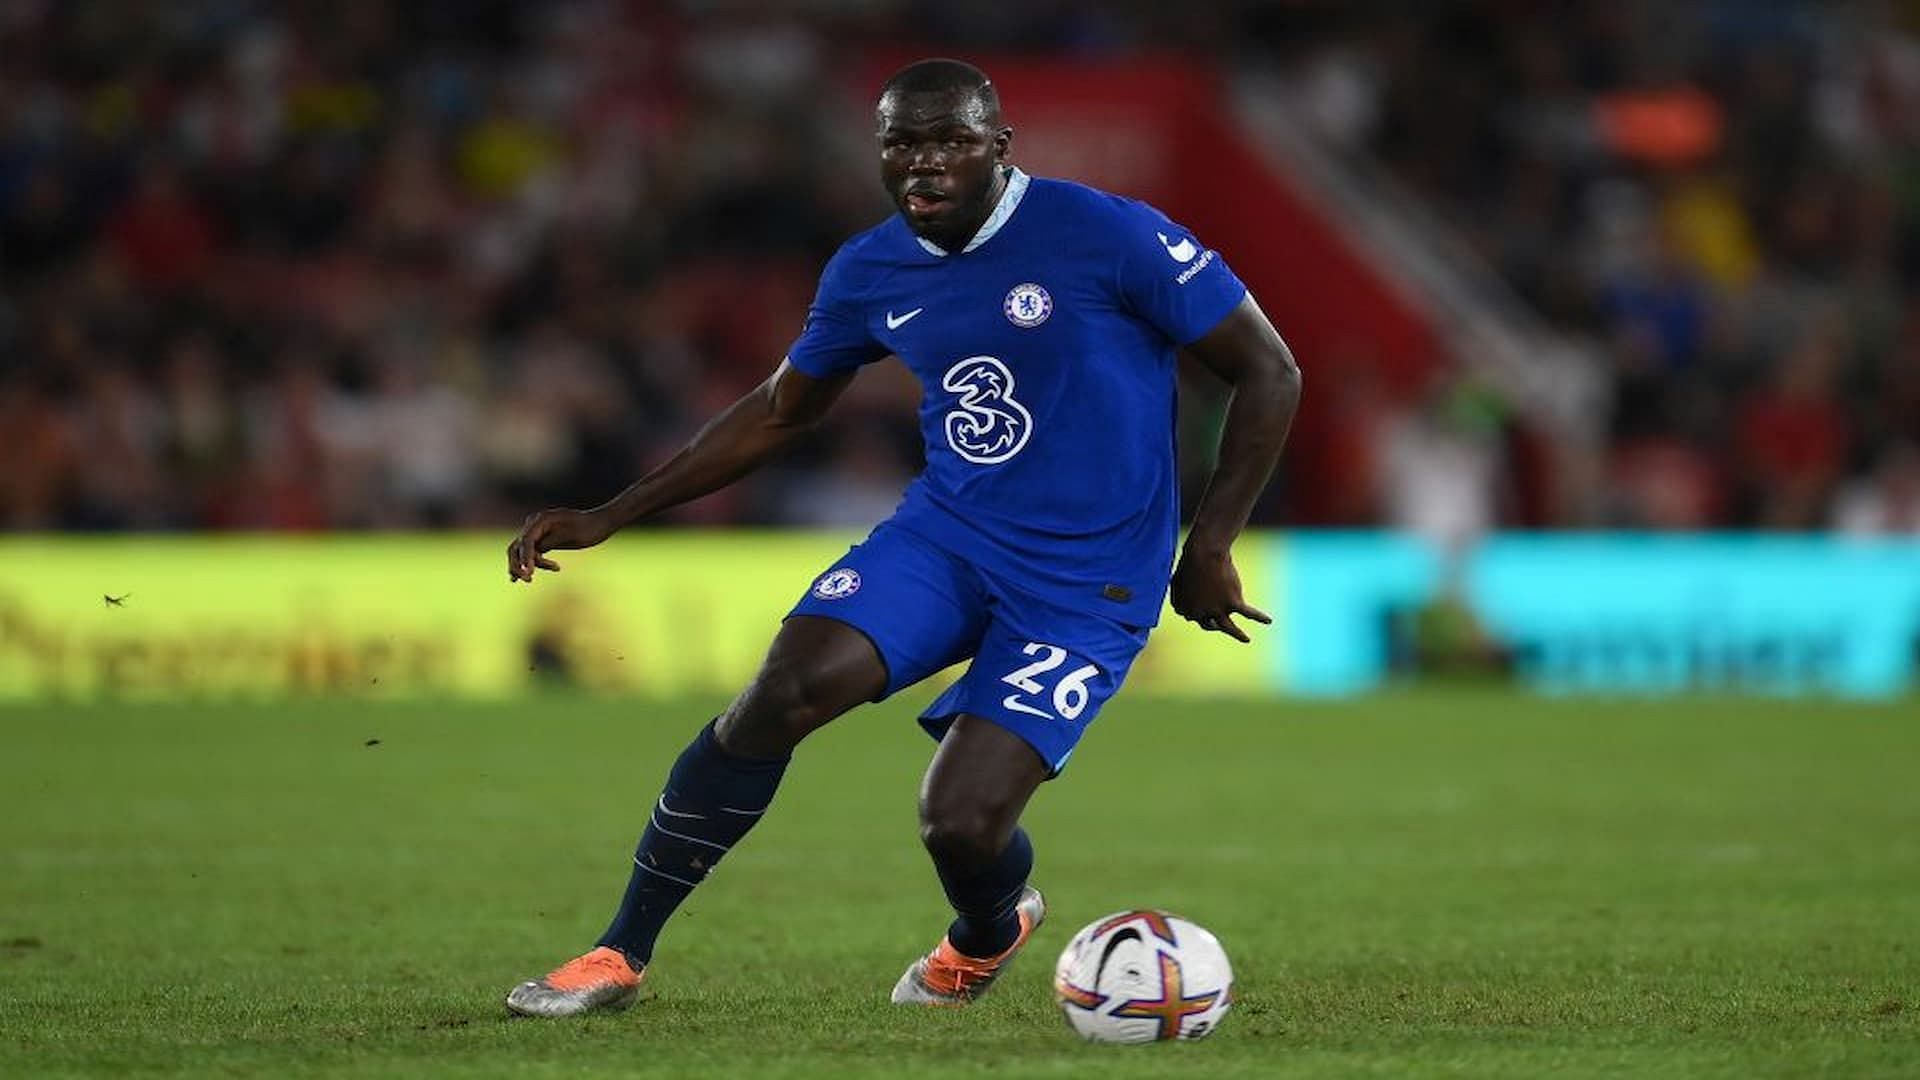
(1639, 269)
(353, 265)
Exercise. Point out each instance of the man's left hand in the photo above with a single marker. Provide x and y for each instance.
(1206, 591)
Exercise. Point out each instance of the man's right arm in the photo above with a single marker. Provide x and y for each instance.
(743, 437)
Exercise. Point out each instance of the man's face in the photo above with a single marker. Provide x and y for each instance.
(938, 153)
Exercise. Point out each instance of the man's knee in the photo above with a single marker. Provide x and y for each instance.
(815, 670)
(974, 794)
(783, 705)
(962, 834)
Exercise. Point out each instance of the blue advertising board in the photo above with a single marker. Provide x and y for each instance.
(1616, 613)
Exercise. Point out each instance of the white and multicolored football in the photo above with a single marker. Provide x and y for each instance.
(1143, 976)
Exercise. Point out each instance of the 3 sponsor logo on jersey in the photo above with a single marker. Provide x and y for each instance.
(1027, 304)
(837, 584)
(987, 424)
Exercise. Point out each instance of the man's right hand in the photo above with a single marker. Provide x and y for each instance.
(554, 530)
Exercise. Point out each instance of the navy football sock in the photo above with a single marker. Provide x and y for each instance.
(986, 898)
(711, 799)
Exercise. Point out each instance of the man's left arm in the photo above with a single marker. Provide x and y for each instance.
(1246, 351)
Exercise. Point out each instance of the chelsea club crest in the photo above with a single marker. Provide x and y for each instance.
(1028, 305)
(837, 584)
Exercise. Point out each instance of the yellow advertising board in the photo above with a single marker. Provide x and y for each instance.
(655, 613)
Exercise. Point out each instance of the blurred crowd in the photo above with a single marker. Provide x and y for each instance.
(1723, 194)
(351, 264)
(347, 264)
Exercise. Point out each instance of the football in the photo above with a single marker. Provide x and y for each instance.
(1143, 976)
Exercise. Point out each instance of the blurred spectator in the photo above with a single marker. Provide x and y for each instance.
(1442, 466)
(1793, 438)
(1666, 484)
(160, 236)
(1886, 501)
(1662, 305)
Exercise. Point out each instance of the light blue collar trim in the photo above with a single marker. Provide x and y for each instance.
(1009, 202)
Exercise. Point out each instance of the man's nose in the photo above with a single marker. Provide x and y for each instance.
(928, 159)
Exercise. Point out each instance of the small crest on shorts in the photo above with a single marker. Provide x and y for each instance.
(1028, 304)
(837, 584)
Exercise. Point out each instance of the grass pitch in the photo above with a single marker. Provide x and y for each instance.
(1451, 885)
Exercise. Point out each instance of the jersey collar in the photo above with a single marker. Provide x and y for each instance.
(1009, 202)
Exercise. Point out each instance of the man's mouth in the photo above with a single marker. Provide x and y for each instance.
(924, 199)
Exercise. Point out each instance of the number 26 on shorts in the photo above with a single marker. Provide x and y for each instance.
(1069, 691)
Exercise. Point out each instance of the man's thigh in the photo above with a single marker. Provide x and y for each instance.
(923, 610)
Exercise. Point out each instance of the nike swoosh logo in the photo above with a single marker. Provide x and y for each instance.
(671, 812)
(1114, 942)
(895, 324)
(1182, 251)
(1013, 702)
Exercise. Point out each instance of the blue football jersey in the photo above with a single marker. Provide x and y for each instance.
(1045, 350)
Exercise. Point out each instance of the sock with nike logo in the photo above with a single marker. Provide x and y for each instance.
(712, 799)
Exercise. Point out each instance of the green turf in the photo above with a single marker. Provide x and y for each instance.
(1414, 885)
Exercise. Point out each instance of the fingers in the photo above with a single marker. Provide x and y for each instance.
(1254, 613)
(523, 555)
(1225, 625)
(1222, 622)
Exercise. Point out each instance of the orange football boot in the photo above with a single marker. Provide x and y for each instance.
(599, 981)
(945, 977)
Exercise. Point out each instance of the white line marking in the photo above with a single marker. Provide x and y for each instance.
(689, 839)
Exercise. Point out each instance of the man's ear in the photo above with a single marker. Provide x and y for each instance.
(1002, 143)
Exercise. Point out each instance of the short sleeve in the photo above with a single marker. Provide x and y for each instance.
(1172, 280)
(835, 339)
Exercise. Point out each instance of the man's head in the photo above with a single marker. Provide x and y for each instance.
(941, 145)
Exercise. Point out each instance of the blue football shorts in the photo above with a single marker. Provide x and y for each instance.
(1039, 670)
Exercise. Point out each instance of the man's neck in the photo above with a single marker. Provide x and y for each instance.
(992, 202)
